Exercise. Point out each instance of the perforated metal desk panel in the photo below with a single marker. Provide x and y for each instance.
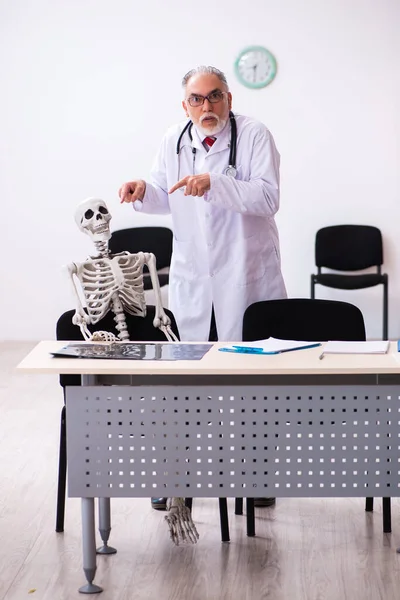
(233, 425)
(194, 441)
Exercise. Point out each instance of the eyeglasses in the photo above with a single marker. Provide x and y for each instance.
(214, 98)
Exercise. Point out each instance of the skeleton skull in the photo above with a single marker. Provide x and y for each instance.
(92, 217)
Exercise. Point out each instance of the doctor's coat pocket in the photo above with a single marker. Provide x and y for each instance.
(182, 262)
(258, 259)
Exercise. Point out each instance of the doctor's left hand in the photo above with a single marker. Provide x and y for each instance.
(195, 185)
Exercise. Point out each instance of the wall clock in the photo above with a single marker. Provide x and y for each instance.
(255, 67)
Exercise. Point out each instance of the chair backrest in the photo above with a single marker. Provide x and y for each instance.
(157, 240)
(140, 329)
(303, 319)
(348, 247)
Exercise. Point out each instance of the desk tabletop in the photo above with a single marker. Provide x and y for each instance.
(304, 362)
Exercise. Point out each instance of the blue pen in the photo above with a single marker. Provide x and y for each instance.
(248, 349)
(244, 351)
(254, 350)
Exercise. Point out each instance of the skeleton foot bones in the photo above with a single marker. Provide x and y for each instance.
(111, 281)
(180, 523)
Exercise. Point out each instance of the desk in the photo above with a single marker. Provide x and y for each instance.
(287, 425)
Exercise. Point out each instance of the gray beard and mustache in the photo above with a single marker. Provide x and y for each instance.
(220, 124)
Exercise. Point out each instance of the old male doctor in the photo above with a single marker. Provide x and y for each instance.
(226, 245)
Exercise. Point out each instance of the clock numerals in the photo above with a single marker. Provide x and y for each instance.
(255, 67)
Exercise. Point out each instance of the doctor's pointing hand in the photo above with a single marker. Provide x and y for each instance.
(193, 185)
(132, 191)
(225, 252)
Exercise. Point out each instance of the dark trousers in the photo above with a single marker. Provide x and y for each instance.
(213, 335)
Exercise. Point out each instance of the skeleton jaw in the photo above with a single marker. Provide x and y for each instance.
(100, 233)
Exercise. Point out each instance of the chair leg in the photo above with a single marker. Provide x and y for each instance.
(387, 516)
(369, 504)
(312, 296)
(238, 506)
(385, 311)
(251, 528)
(62, 474)
(223, 516)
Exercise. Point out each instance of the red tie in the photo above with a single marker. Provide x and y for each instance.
(209, 141)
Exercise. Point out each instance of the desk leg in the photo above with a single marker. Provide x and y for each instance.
(89, 547)
(105, 526)
(251, 529)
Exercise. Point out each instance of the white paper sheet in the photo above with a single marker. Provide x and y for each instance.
(374, 347)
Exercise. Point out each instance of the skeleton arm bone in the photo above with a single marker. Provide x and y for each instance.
(161, 320)
(80, 318)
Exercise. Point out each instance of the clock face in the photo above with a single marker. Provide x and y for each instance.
(255, 67)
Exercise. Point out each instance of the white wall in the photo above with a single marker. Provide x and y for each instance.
(89, 86)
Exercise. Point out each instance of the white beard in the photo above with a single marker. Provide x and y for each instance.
(218, 127)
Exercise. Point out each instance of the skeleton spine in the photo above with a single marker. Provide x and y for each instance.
(102, 248)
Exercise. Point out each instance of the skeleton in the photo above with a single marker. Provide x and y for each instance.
(115, 281)
(112, 281)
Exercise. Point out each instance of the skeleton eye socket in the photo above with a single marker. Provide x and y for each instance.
(89, 214)
(103, 210)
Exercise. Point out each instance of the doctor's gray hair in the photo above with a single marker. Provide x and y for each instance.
(205, 71)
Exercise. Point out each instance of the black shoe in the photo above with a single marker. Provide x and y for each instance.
(159, 503)
(264, 501)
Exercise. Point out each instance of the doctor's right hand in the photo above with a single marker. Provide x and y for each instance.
(132, 191)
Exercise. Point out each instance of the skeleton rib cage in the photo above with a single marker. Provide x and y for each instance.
(101, 278)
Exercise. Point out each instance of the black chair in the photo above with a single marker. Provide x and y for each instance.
(308, 320)
(157, 240)
(351, 248)
(140, 330)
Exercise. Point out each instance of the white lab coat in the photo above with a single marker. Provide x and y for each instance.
(226, 245)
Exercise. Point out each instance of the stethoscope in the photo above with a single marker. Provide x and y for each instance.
(230, 170)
